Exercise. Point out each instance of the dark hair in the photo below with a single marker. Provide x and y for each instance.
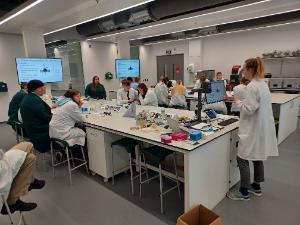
(125, 82)
(165, 80)
(71, 93)
(144, 88)
(219, 73)
(170, 84)
(244, 80)
(129, 79)
(33, 85)
(23, 85)
(257, 65)
(137, 79)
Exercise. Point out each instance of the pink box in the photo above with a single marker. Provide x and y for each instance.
(179, 136)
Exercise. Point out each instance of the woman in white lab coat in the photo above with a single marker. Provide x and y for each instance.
(162, 93)
(147, 96)
(126, 94)
(256, 131)
(67, 114)
(239, 92)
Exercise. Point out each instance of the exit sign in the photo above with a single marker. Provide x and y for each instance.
(169, 52)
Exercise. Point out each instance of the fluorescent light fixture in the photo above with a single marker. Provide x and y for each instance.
(217, 24)
(178, 20)
(20, 11)
(229, 32)
(99, 17)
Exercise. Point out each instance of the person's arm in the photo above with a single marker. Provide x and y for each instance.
(103, 92)
(87, 91)
(43, 111)
(74, 112)
(251, 103)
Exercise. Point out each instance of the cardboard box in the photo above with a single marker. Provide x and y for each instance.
(199, 215)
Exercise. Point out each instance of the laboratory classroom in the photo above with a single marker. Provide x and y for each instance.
(149, 112)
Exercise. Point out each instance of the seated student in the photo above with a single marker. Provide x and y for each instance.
(147, 96)
(178, 96)
(65, 117)
(126, 94)
(36, 116)
(200, 81)
(95, 90)
(136, 83)
(219, 76)
(239, 92)
(160, 80)
(162, 93)
(14, 105)
(17, 176)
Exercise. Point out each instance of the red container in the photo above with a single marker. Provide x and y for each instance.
(166, 139)
(179, 136)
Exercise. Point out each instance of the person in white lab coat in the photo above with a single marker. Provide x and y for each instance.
(67, 114)
(17, 172)
(239, 92)
(162, 93)
(219, 76)
(147, 96)
(200, 81)
(178, 93)
(256, 131)
(126, 94)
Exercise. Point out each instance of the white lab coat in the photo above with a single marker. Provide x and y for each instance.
(10, 164)
(150, 98)
(162, 92)
(257, 128)
(122, 96)
(239, 92)
(198, 83)
(63, 122)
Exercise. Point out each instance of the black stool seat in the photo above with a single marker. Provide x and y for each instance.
(61, 143)
(157, 153)
(128, 143)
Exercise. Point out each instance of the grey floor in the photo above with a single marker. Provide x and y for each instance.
(90, 201)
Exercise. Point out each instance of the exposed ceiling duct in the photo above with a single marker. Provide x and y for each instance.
(153, 11)
(225, 28)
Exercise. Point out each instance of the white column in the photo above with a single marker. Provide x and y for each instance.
(195, 56)
(34, 45)
(123, 49)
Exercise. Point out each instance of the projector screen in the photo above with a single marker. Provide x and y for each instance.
(46, 70)
(127, 68)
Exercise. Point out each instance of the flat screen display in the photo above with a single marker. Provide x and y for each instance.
(46, 70)
(218, 92)
(127, 68)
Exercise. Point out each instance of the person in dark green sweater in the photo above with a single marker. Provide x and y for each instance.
(36, 115)
(14, 106)
(95, 90)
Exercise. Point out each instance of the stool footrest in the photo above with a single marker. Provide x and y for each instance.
(171, 189)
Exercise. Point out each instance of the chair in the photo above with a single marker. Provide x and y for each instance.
(130, 146)
(159, 154)
(63, 144)
(18, 127)
(21, 218)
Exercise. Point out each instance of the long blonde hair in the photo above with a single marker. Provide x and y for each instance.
(257, 65)
(178, 89)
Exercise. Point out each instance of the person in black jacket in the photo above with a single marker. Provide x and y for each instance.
(36, 115)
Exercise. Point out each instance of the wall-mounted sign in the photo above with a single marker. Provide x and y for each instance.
(168, 51)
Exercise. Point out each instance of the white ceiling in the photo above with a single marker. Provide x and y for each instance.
(51, 15)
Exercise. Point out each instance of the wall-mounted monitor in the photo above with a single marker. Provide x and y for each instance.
(127, 68)
(46, 70)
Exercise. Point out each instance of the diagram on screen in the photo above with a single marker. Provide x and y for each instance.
(130, 68)
(45, 70)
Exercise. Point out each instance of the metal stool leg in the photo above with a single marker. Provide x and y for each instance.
(69, 166)
(177, 180)
(112, 166)
(8, 210)
(131, 173)
(161, 189)
(52, 159)
(140, 172)
(146, 168)
(17, 135)
(72, 158)
(83, 156)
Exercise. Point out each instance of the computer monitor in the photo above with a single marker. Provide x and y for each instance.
(127, 68)
(44, 69)
(218, 92)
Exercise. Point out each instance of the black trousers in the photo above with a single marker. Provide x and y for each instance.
(245, 172)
